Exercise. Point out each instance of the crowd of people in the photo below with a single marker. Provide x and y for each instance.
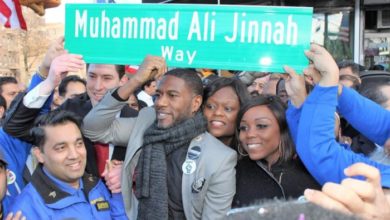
(174, 143)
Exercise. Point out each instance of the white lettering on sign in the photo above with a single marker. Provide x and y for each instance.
(202, 28)
(202, 34)
(170, 53)
(263, 31)
(127, 27)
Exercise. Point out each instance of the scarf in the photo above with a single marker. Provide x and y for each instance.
(151, 171)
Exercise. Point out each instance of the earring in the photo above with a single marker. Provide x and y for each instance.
(236, 133)
(281, 148)
(240, 151)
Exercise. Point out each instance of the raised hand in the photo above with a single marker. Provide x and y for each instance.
(56, 49)
(152, 67)
(363, 198)
(295, 87)
(312, 76)
(59, 68)
(325, 64)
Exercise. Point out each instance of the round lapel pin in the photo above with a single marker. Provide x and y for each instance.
(198, 138)
(188, 167)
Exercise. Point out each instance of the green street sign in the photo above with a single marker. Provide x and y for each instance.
(229, 37)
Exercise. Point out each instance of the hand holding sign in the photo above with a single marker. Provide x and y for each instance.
(152, 67)
(295, 87)
(325, 64)
(312, 76)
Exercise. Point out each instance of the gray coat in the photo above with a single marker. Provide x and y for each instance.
(207, 192)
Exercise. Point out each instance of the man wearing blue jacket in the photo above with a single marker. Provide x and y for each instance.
(59, 188)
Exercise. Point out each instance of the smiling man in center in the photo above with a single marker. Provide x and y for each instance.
(171, 170)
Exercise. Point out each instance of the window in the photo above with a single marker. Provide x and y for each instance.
(332, 30)
(377, 51)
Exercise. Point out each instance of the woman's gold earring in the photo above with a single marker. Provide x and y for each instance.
(240, 151)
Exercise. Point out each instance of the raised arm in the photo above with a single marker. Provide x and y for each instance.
(101, 124)
(369, 118)
(22, 115)
(317, 147)
(295, 86)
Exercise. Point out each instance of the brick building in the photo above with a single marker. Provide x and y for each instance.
(21, 52)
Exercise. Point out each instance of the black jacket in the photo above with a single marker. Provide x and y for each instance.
(20, 120)
(254, 182)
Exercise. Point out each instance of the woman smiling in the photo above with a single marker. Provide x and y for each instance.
(222, 100)
(269, 167)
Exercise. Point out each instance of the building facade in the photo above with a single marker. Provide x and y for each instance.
(21, 52)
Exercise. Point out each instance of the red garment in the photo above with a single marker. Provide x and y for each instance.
(102, 154)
